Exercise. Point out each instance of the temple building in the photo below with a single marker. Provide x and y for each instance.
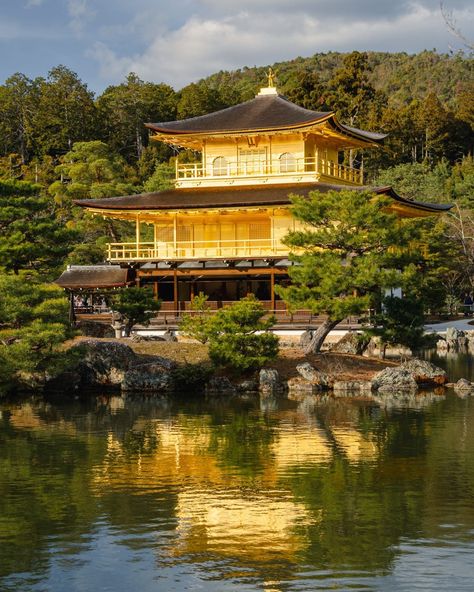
(219, 230)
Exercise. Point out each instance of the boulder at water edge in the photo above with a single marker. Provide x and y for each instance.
(314, 376)
(154, 377)
(424, 372)
(394, 379)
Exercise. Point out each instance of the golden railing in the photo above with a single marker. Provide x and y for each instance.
(274, 167)
(209, 249)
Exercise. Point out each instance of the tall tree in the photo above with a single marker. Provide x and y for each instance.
(350, 90)
(91, 170)
(198, 99)
(66, 112)
(19, 98)
(305, 89)
(349, 249)
(125, 108)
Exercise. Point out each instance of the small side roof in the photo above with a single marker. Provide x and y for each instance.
(94, 276)
(263, 113)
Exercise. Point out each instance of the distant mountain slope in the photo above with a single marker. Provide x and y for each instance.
(400, 76)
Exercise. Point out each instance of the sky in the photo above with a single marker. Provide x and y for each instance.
(182, 41)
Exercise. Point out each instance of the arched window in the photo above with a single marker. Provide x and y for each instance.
(287, 163)
(219, 166)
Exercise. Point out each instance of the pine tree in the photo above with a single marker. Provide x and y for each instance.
(351, 247)
(30, 236)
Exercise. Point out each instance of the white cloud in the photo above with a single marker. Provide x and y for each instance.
(80, 14)
(32, 3)
(264, 32)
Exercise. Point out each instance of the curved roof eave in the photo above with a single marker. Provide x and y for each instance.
(243, 196)
(422, 205)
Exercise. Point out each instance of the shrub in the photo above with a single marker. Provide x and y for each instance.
(136, 305)
(401, 322)
(237, 335)
(191, 377)
(198, 323)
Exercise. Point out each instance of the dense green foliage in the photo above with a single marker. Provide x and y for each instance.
(136, 305)
(198, 323)
(400, 322)
(30, 236)
(33, 325)
(237, 335)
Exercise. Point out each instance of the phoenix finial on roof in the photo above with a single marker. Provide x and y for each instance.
(271, 78)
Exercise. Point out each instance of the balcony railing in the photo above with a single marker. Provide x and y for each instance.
(307, 167)
(211, 249)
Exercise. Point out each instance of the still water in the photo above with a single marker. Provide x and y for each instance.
(114, 494)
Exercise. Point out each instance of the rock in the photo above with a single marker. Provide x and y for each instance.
(247, 386)
(394, 379)
(403, 399)
(165, 363)
(470, 340)
(315, 377)
(104, 362)
(140, 338)
(350, 387)
(269, 382)
(95, 329)
(306, 338)
(425, 373)
(452, 334)
(441, 345)
(169, 335)
(220, 385)
(456, 340)
(155, 377)
(352, 343)
(463, 385)
(299, 388)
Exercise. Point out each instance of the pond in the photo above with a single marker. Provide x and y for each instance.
(107, 493)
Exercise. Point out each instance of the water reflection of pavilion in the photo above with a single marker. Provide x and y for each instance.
(220, 510)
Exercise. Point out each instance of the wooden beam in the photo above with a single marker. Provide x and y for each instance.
(209, 272)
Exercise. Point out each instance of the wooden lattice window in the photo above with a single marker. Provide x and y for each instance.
(287, 163)
(219, 166)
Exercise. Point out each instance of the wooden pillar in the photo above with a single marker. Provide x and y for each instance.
(155, 290)
(272, 288)
(175, 289)
(72, 312)
(175, 234)
(137, 234)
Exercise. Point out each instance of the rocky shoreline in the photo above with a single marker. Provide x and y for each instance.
(103, 363)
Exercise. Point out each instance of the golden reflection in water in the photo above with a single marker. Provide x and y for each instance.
(26, 417)
(355, 445)
(257, 527)
(215, 510)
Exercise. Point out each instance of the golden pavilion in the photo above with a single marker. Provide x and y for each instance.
(219, 230)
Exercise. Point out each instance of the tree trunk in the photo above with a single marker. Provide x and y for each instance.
(320, 335)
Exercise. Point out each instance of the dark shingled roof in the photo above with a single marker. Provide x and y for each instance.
(240, 196)
(93, 276)
(266, 112)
